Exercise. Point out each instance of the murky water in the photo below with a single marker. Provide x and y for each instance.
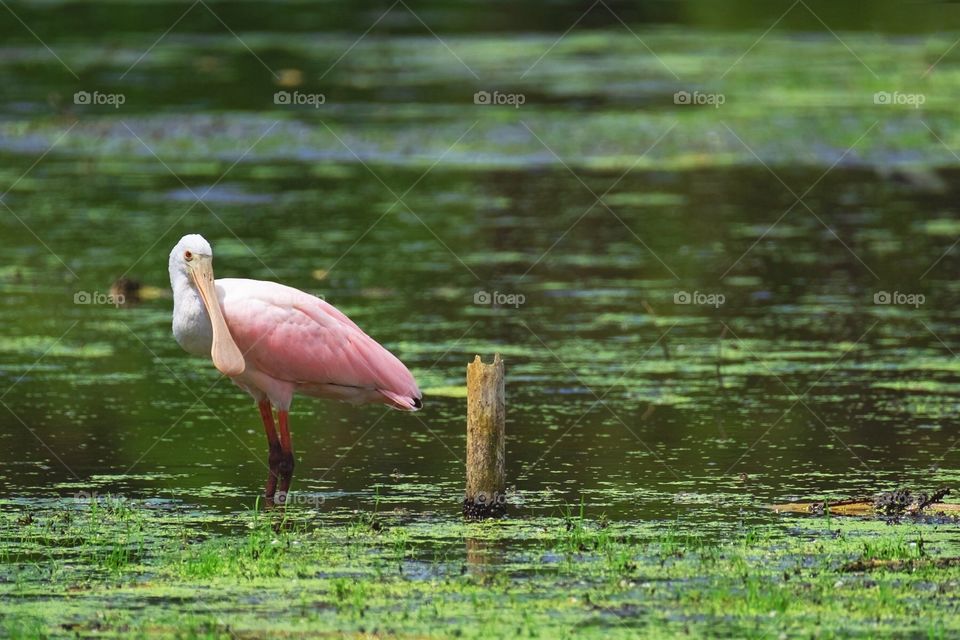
(400, 200)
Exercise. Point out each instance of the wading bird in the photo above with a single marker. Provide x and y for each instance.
(272, 341)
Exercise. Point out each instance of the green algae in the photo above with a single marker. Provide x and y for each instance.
(829, 100)
(73, 567)
(38, 346)
(451, 391)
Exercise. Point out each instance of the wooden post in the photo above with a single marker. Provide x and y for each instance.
(486, 450)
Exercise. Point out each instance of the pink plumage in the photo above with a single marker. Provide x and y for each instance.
(305, 343)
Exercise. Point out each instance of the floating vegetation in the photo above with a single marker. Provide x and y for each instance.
(62, 569)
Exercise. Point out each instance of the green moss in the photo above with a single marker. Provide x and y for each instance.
(76, 566)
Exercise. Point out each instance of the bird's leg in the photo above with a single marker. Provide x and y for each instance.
(266, 412)
(286, 457)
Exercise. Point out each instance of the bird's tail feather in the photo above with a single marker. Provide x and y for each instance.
(402, 402)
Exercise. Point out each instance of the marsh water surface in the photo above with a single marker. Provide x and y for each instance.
(593, 212)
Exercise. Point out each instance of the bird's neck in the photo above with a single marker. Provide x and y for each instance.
(191, 323)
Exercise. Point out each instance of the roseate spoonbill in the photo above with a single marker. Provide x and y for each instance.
(272, 341)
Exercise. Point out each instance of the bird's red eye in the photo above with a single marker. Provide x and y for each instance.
(187, 255)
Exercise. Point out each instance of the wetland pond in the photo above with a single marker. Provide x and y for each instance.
(703, 309)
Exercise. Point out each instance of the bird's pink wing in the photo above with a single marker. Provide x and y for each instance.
(294, 336)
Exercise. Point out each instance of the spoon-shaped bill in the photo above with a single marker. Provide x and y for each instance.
(224, 352)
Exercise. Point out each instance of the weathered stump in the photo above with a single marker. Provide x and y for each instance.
(486, 435)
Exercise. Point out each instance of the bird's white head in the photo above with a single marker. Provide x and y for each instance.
(190, 246)
(191, 266)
